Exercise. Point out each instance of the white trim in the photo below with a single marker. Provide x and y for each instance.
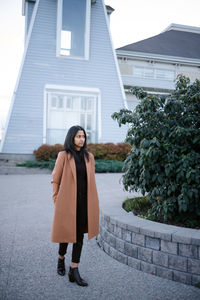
(181, 27)
(20, 72)
(87, 32)
(26, 23)
(87, 29)
(71, 88)
(23, 7)
(99, 118)
(44, 137)
(86, 90)
(158, 57)
(115, 57)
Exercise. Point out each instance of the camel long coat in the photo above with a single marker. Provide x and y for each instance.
(65, 197)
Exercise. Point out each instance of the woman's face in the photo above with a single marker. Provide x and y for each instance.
(79, 139)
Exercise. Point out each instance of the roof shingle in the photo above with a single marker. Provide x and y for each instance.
(172, 43)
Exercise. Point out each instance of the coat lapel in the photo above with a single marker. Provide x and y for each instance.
(72, 165)
(88, 169)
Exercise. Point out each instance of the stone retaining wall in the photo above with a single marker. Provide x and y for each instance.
(172, 253)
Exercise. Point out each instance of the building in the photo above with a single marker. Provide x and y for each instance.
(69, 75)
(154, 63)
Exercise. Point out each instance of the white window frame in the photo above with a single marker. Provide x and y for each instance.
(74, 90)
(87, 32)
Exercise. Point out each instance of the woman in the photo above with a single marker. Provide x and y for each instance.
(76, 200)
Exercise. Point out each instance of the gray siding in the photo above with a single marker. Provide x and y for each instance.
(30, 7)
(41, 66)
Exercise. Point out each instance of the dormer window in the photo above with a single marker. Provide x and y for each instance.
(73, 28)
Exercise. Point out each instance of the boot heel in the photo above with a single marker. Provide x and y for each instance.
(71, 278)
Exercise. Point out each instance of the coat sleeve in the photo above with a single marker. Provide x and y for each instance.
(92, 162)
(57, 175)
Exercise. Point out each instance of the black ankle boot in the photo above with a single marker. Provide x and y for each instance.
(61, 267)
(75, 276)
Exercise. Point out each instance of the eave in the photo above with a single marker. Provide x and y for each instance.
(158, 57)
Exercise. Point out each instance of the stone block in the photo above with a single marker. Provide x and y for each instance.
(105, 224)
(147, 231)
(122, 258)
(134, 263)
(182, 237)
(160, 258)
(163, 235)
(164, 273)
(195, 279)
(119, 245)
(106, 218)
(130, 250)
(194, 266)
(148, 268)
(121, 224)
(138, 239)
(188, 250)
(177, 262)
(111, 240)
(182, 277)
(152, 243)
(106, 247)
(145, 254)
(169, 247)
(110, 227)
(113, 221)
(113, 252)
(118, 256)
(133, 228)
(118, 231)
(127, 235)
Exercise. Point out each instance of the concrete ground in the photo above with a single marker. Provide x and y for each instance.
(28, 258)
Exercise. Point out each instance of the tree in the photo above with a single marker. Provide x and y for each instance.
(164, 133)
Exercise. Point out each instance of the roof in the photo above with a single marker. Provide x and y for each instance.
(171, 43)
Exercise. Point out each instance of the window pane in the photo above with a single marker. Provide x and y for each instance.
(82, 122)
(89, 122)
(69, 103)
(148, 73)
(60, 101)
(65, 42)
(84, 103)
(138, 72)
(53, 101)
(73, 27)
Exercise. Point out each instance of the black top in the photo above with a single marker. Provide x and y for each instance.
(81, 176)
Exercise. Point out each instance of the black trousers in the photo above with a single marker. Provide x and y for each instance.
(76, 250)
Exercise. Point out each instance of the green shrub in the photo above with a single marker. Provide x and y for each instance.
(164, 161)
(101, 166)
(108, 166)
(38, 164)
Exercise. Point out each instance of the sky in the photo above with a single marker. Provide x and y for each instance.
(132, 21)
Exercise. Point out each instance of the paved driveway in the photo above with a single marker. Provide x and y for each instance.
(28, 259)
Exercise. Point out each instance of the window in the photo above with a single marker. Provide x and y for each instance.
(153, 73)
(73, 28)
(67, 108)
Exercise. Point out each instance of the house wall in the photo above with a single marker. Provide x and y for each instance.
(127, 66)
(41, 67)
(29, 6)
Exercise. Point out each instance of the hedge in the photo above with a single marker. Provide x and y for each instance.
(107, 151)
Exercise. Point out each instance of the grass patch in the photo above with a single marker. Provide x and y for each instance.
(101, 166)
(138, 205)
